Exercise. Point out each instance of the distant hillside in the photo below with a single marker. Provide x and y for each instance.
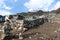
(56, 11)
(39, 12)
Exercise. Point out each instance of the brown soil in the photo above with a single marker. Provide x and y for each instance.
(43, 32)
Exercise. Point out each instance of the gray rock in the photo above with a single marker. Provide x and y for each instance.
(30, 37)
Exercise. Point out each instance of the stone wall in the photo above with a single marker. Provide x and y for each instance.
(34, 23)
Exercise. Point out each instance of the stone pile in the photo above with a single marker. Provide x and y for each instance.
(34, 23)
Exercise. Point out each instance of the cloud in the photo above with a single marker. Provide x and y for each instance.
(2, 2)
(30, 9)
(4, 12)
(15, 0)
(38, 4)
(56, 6)
(4, 6)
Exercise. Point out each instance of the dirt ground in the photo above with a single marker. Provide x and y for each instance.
(46, 31)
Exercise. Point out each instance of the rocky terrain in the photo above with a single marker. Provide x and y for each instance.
(38, 28)
(46, 31)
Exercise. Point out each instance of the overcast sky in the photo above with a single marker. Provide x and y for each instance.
(8, 7)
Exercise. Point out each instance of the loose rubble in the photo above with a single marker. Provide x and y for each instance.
(40, 29)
